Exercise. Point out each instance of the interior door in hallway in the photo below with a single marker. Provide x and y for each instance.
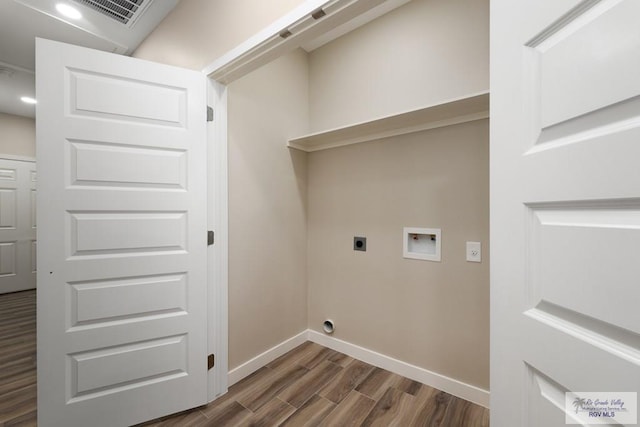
(17, 225)
(122, 252)
(565, 207)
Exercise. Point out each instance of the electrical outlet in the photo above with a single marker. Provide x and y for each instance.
(474, 252)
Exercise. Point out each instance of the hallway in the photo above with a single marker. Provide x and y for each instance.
(18, 359)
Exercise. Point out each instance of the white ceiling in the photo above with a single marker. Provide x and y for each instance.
(21, 21)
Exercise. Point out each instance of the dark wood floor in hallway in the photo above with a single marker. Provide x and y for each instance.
(18, 359)
(309, 386)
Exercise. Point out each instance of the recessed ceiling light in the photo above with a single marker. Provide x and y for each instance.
(68, 11)
(28, 100)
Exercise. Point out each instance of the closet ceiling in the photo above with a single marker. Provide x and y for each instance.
(117, 26)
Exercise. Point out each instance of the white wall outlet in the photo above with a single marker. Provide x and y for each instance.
(474, 252)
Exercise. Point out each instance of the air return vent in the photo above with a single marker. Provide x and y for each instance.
(123, 11)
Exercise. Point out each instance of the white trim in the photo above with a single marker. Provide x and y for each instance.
(217, 256)
(353, 24)
(17, 158)
(252, 48)
(441, 382)
(268, 45)
(250, 45)
(267, 357)
(452, 386)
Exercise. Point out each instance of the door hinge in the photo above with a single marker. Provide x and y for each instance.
(209, 238)
(211, 361)
(209, 114)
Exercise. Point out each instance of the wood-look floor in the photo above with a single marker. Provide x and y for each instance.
(309, 386)
(18, 359)
(315, 386)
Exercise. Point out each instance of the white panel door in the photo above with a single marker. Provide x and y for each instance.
(565, 205)
(122, 227)
(17, 225)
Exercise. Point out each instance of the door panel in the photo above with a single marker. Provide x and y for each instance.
(121, 367)
(8, 208)
(105, 233)
(120, 165)
(103, 96)
(565, 85)
(575, 252)
(123, 300)
(585, 64)
(122, 250)
(17, 225)
(8, 256)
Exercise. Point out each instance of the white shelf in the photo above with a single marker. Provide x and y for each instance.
(460, 110)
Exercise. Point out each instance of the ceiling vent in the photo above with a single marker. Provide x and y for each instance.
(124, 11)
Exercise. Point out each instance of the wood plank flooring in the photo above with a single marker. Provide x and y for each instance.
(315, 386)
(309, 386)
(18, 359)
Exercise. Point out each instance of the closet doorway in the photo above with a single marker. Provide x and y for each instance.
(17, 224)
(18, 243)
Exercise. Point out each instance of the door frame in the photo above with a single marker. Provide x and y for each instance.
(218, 253)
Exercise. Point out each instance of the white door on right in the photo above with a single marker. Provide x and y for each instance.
(565, 205)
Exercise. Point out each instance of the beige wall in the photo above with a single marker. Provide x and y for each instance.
(267, 207)
(419, 54)
(197, 32)
(434, 315)
(17, 135)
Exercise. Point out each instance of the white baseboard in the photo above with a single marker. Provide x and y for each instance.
(457, 388)
(250, 366)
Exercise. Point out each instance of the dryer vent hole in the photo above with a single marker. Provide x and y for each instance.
(327, 326)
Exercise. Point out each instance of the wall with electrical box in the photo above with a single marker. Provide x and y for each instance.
(398, 298)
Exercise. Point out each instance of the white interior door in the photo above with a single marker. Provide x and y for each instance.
(122, 238)
(565, 205)
(17, 225)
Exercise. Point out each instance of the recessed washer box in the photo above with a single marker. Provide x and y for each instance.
(421, 243)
